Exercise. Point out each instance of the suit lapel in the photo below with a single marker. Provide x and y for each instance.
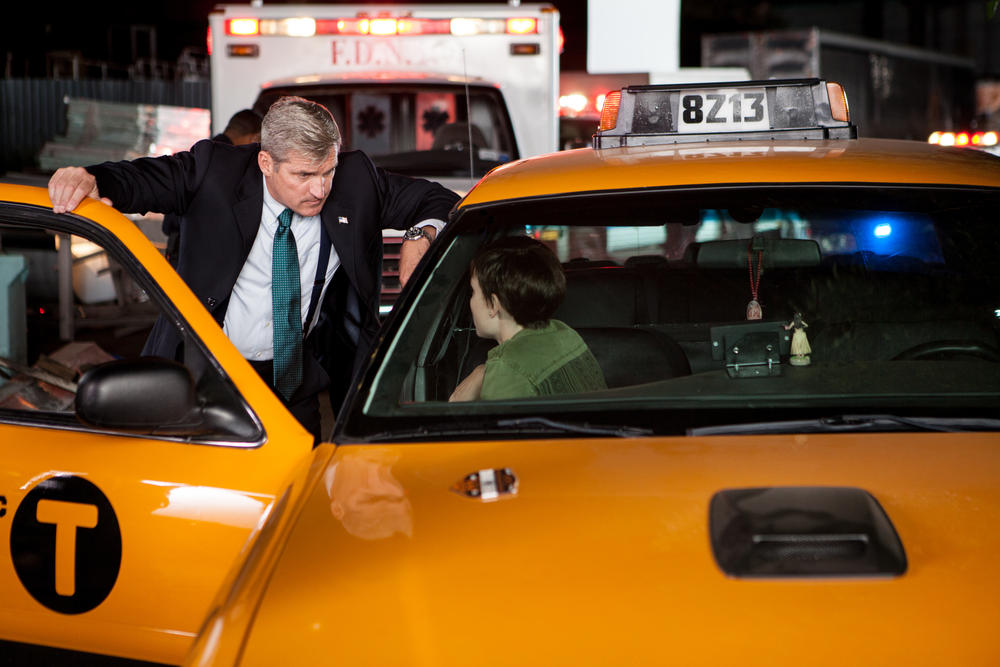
(337, 219)
(249, 205)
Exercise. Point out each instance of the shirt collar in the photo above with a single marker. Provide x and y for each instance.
(271, 204)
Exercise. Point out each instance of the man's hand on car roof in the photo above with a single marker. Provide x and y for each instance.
(69, 186)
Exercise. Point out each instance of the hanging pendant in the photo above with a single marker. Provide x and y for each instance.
(754, 310)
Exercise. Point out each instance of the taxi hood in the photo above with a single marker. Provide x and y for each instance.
(595, 551)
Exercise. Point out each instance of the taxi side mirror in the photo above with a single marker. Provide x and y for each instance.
(144, 394)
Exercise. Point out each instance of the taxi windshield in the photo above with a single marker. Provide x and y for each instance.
(417, 129)
(717, 305)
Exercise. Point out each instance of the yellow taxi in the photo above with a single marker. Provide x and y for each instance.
(795, 459)
(128, 486)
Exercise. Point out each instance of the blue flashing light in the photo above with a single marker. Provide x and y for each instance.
(883, 230)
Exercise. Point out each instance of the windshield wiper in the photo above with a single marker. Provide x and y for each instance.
(850, 423)
(500, 428)
(573, 427)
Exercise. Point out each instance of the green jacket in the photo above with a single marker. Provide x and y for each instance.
(550, 360)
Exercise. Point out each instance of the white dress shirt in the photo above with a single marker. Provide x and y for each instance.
(249, 316)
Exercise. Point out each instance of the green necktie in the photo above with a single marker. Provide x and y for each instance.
(286, 296)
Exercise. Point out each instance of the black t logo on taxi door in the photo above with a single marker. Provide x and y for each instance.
(66, 544)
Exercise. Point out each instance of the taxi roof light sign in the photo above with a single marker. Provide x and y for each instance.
(738, 111)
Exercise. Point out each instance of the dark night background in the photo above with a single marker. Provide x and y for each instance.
(116, 34)
(154, 52)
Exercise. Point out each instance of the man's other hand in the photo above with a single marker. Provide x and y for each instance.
(69, 186)
(410, 254)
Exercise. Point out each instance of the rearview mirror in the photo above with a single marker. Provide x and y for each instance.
(773, 253)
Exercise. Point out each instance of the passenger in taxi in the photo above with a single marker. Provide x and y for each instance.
(517, 284)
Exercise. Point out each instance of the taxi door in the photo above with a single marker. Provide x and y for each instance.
(118, 535)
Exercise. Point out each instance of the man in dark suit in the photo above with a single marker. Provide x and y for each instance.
(243, 128)
(256, 215)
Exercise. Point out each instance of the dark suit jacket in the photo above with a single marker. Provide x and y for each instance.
(171, 222)
(218, 189)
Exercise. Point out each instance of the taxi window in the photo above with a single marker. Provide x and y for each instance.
(896, 287)
(73, 302)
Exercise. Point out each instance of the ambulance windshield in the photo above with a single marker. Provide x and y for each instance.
(418, 129)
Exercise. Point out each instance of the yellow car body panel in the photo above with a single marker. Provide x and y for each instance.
(603, 557)
(700, 164)
(236, 603)
(184, 510)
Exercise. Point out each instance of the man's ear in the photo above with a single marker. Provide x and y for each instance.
(266, 163)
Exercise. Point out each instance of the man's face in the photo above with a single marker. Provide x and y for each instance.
(298, 182)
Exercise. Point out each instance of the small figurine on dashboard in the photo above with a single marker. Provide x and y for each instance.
(800, 349)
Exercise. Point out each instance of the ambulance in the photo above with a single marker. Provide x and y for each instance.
(411, 85)
(440, 91)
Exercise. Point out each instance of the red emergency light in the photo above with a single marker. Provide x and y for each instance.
(963, 139)
(577, 103)
(304, 26)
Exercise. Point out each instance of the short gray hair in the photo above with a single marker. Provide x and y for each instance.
(301, 125)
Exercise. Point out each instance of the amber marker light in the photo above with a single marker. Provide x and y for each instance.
(609, 114)
(838, 102)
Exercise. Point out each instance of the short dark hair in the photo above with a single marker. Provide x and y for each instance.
(246, 121)
(525, 275)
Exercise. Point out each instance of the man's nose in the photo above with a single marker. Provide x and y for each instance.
(318, 187)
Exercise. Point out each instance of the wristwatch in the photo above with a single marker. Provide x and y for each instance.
(417, 233)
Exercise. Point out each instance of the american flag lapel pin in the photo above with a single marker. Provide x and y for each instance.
(342, 219)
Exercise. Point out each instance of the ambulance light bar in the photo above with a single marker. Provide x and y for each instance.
(304, 26)
(738, 111)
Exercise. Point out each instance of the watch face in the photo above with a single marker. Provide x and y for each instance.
(415, 233)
